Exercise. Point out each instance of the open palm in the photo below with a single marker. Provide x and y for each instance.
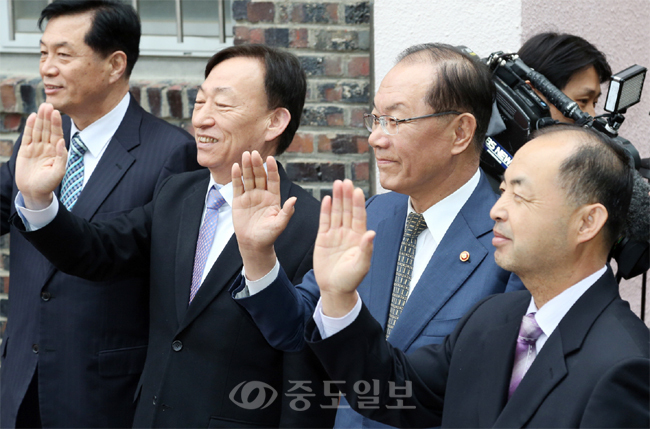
(41, 160)
(343, 246)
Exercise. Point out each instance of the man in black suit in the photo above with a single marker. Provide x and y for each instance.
(73, 350)
(207, 363)
(566, 353)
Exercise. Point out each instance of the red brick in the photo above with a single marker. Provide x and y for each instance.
(6, 147)
(360, 171)
(256, 35)
(324, 143)
(298, 13)
(335, 120)
(241, 34)
(333, 66)
(302, 142)
(8, 94)
(332, 94)
(359, 66)
(261, 11)
(356, 117)
(12, 121)
(333, 11)
(362, 144)
(299, 38)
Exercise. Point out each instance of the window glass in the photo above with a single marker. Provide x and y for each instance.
(26, 15)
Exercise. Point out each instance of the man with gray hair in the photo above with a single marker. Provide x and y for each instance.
(568, 352)
(434, 257)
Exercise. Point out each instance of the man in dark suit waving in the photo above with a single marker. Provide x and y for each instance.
(74, 350)
(207, 364)
(566, 353)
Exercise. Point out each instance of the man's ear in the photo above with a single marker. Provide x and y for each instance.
(277, 123)
(591, 220)
(464, 129)
(117, 63)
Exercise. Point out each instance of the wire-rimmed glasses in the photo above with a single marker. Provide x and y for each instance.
(390, 124)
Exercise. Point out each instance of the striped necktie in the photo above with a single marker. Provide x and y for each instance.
(74, 175)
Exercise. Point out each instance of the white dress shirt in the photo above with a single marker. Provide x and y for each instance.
(551, 313)
(97, 135)
(547, 317)
(96, 138)
(438, 218)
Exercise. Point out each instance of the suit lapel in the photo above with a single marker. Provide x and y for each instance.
(549, 367)
(188, 233)
(114, 163)
(224, 269)
(446, 273)
(547, 370)
(378, 287)
(222, 272)
(499, 350)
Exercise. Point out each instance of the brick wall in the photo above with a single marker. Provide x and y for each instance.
(332, 40)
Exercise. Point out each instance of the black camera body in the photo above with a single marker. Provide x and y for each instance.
(521, 111)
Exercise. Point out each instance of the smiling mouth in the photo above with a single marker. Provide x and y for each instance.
(203, 139)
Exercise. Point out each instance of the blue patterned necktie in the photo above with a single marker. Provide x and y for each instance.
(206, 237)
(74, 174)
(415, 224)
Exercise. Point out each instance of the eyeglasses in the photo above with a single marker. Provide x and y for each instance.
(390, 124)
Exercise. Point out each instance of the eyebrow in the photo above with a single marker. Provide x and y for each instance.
(56, 45)
(390, 108)
(216, 89)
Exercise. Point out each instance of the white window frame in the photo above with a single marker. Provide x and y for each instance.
(165, 46)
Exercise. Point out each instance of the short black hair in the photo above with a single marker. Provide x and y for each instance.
(115, 26)
(285, 82)
(599, 171)
(559, 56)
(461, 82)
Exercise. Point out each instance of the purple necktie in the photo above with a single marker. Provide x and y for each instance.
(525, 352)
(206, 237)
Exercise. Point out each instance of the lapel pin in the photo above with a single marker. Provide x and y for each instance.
(464, 256)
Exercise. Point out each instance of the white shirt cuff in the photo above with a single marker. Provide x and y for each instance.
(328, 326)
(256, 286)
(36, 219)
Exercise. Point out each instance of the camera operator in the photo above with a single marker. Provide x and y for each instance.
(572, 64)
(578, 68)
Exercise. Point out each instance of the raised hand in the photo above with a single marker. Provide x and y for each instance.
(41, 160)
(343, 248)
(257, 213)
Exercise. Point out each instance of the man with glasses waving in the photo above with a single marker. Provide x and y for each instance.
(433, 257)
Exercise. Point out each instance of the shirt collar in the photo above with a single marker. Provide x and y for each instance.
(97, 135)
(440, 216)
(551, 313)
(225, 191)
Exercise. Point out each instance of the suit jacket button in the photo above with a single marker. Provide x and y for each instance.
(35, 348)
(177, 346)
(155, 399)
(45, 296)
